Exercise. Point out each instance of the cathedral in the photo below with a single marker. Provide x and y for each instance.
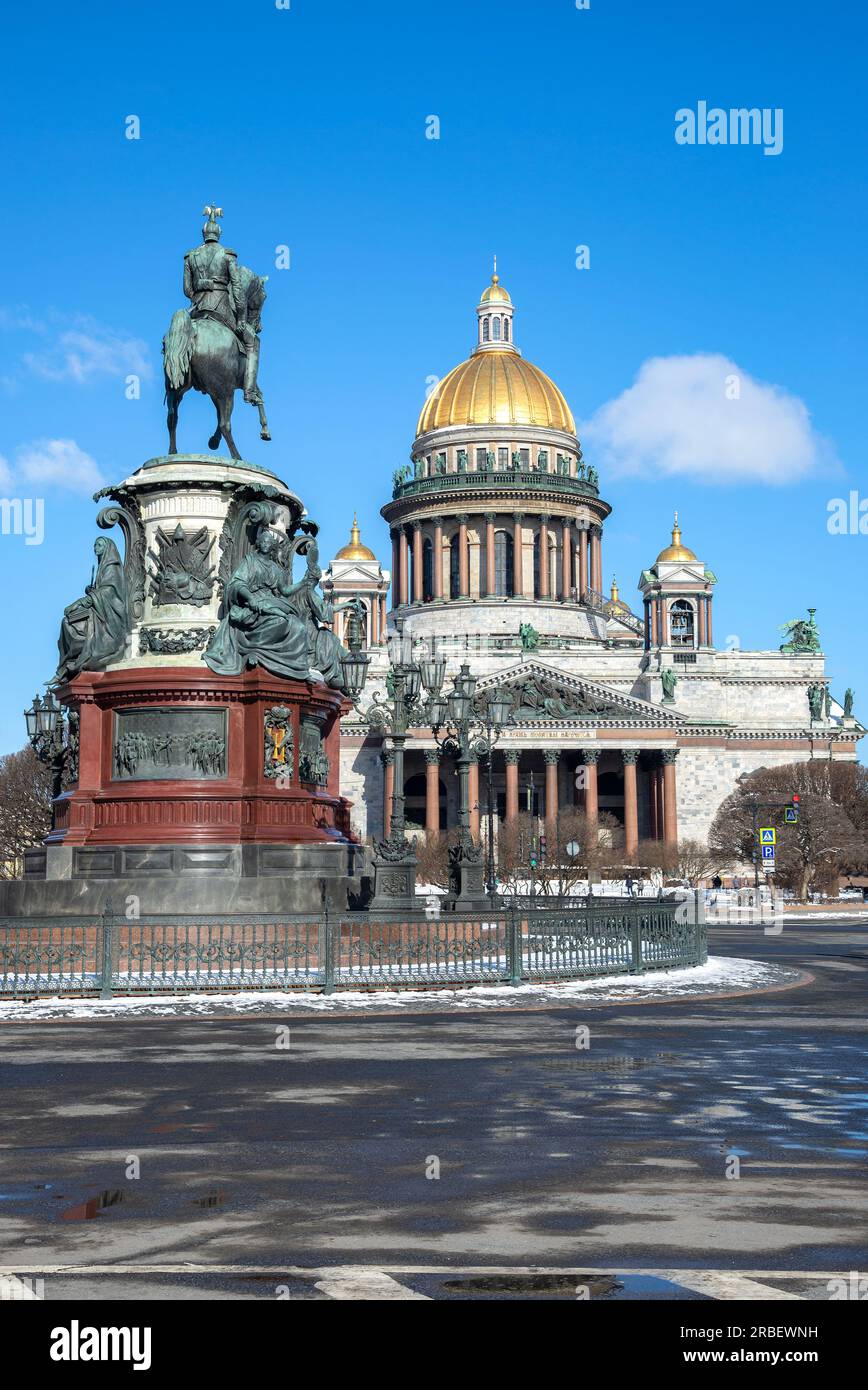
(497, 530)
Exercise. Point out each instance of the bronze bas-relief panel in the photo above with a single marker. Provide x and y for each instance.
(169, 744)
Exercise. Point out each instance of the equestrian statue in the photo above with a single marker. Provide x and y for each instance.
(213, 347)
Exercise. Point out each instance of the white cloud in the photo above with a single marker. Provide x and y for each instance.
(80, 356)
(682, 416)
(59, 463)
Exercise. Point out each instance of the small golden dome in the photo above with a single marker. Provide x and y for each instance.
(616, 601)
(355, 550)
(495, 293)
(675, 551)
(496, 387)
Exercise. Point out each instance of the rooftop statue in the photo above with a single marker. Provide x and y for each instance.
(803, 635)
(95, 627)
(213, 347)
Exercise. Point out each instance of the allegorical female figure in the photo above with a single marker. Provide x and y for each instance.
(262, 626)
(94, 628)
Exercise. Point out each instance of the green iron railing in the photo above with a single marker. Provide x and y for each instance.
(111, 954)
(505, 478)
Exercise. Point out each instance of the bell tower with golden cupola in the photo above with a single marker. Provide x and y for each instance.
(677, 592)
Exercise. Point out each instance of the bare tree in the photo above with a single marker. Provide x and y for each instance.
(811, 851)
(693, 860)
(25, 808)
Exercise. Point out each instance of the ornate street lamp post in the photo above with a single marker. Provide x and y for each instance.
(394, 859)
(469, 734)
(54, 740)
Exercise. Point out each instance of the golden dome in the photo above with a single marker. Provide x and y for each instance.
(355, 550)
(495, 293)
(675, 551)
(496, 387)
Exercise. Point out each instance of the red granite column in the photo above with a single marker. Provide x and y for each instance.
(437, 557)
(583, 561)
(551, 757)
(566, 559)
(418, 575)
(700, 642)
(660, 820)
(589, 758)
(404, 568)
(670, 810)
(631, 804)
(396, 568)
(511, 759)
(432, 792)
(653, 802)
(708, 625)
(463, 558)
(543, 557)
(517, 555)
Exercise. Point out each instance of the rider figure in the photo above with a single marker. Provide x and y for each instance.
(211, 277)
(215, 287)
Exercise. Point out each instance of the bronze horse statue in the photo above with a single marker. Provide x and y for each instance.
(205, 354)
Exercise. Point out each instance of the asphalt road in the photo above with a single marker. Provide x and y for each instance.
(323, 1153)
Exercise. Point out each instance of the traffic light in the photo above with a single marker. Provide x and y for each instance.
(791, 814)
(542, 846)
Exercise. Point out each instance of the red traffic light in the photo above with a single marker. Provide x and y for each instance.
(796, 798)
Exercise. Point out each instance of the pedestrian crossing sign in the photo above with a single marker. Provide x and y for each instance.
(768, 835)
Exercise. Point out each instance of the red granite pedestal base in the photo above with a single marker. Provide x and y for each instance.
(183, 757)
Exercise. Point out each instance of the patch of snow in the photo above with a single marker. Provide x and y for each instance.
(719, 974)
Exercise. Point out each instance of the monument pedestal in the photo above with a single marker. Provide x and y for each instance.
(197, 793)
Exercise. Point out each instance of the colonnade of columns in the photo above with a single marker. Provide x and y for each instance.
(657, 620)
(657, 768)
(580, 567)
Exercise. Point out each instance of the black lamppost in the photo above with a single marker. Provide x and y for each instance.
(54, 740)
(394, 859)
(469, 734)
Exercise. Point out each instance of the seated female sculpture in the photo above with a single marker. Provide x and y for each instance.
(263, 625)
(95, 628)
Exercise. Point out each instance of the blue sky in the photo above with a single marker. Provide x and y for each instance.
(308, 126)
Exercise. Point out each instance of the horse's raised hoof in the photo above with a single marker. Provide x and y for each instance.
(214, 441)
(263, 434)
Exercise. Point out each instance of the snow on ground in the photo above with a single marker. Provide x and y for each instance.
(718, 975)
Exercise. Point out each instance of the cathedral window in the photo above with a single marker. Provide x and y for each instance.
(503, 458)
(485, 323)
(503, 564)
(495, 329)
(480, 458)
(454, 568)
(427, 571)
(506, 330)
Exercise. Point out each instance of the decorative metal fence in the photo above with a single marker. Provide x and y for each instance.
(110, 954)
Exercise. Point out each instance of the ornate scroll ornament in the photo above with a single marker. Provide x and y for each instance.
(127, 514)
(182, 570)
(278, 749)
(173, 642)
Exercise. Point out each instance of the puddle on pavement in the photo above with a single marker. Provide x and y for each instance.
(211, 1199)
(577, 1287)
(86, 1211)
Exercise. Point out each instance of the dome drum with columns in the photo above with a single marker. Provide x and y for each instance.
(498, 505)
(497, 560)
